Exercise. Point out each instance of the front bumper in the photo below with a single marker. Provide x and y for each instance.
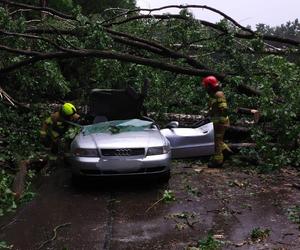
(118, 165)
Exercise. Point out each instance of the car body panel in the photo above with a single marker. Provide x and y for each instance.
(95, 166)
(191, 142)
(120, 140)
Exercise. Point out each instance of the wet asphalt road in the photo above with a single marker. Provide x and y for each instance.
(111, 214)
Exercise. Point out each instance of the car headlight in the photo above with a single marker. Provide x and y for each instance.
(158, 150)
(86, 152)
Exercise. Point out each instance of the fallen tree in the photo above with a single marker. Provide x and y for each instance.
(47, 53)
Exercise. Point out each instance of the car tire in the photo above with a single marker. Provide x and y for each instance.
(165, 177)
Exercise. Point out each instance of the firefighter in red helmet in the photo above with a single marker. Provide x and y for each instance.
(218, 112)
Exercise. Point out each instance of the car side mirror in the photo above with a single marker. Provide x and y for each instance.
(172, 124)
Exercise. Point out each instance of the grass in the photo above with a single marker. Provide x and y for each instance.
(209, 243)
(258, 234)
(294, 214)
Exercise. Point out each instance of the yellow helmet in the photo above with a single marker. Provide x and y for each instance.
(68, 109)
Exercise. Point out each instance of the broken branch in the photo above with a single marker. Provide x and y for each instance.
(54, 234)
(32, 7)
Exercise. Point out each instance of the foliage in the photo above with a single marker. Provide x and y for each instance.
(7, 198)
(289, 30)
(209, 243)
(4, 245)
(258, 234)
(294, 214)
(280, 106)
(72, 132)
(20, 132)
(8, 202)
(95, 6)
(168, 196)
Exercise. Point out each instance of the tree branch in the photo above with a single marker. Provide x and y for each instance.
(112, 55)
(155, 48)
(70, 32)
(129, 19)
(31, 37)
(214, 26)
(151, 46)
(37, 8)
(20, 51)
(186, 7)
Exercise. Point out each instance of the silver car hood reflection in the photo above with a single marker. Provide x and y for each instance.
(136, 139)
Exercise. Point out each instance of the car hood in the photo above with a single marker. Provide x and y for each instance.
(133, 139)
(115, 104)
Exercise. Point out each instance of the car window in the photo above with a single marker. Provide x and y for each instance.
(117, 126)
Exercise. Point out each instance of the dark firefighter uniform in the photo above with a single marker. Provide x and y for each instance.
(56, 125)
(218, 114)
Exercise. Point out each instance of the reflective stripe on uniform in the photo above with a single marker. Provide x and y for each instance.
(217, 158)
(220, 119)
(222, 102)
(225, 147)
(42, 132)
(54, 134)
(49, 120)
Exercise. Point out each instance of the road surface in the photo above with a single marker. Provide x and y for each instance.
(225, 205)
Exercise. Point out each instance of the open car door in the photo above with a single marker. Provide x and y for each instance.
(191, 142)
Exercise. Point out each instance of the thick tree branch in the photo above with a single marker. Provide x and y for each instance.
(112, 55)
(186, 7)
(32, 7)
(247, 90)
(31, 37)
(148, 42)
(75, 32)
(151, 46)
(70, 32)
(20, 51)
(250, 35)
(155, 48)
(132, 18)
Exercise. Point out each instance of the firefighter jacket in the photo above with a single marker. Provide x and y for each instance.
(218, 109)
(55, 125)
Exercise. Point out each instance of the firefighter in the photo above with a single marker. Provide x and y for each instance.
(56, 125)
(218, 113)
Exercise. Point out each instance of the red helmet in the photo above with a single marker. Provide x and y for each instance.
(210, 81)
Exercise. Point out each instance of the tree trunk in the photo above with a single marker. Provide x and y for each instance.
(19, 181)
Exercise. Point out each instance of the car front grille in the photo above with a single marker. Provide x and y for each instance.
(123, 152)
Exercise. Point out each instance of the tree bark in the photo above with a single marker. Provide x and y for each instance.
(20, 179)
(247, 90)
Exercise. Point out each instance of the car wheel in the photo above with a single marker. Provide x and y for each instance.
(164, 178)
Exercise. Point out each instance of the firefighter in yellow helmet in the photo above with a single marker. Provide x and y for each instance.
(56, 125)
(218, 112)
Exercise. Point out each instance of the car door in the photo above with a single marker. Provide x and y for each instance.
(191, 142)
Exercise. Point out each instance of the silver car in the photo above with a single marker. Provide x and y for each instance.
(116, 143)
(123, 147)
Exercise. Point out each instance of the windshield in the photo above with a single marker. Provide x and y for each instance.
(117, 126)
